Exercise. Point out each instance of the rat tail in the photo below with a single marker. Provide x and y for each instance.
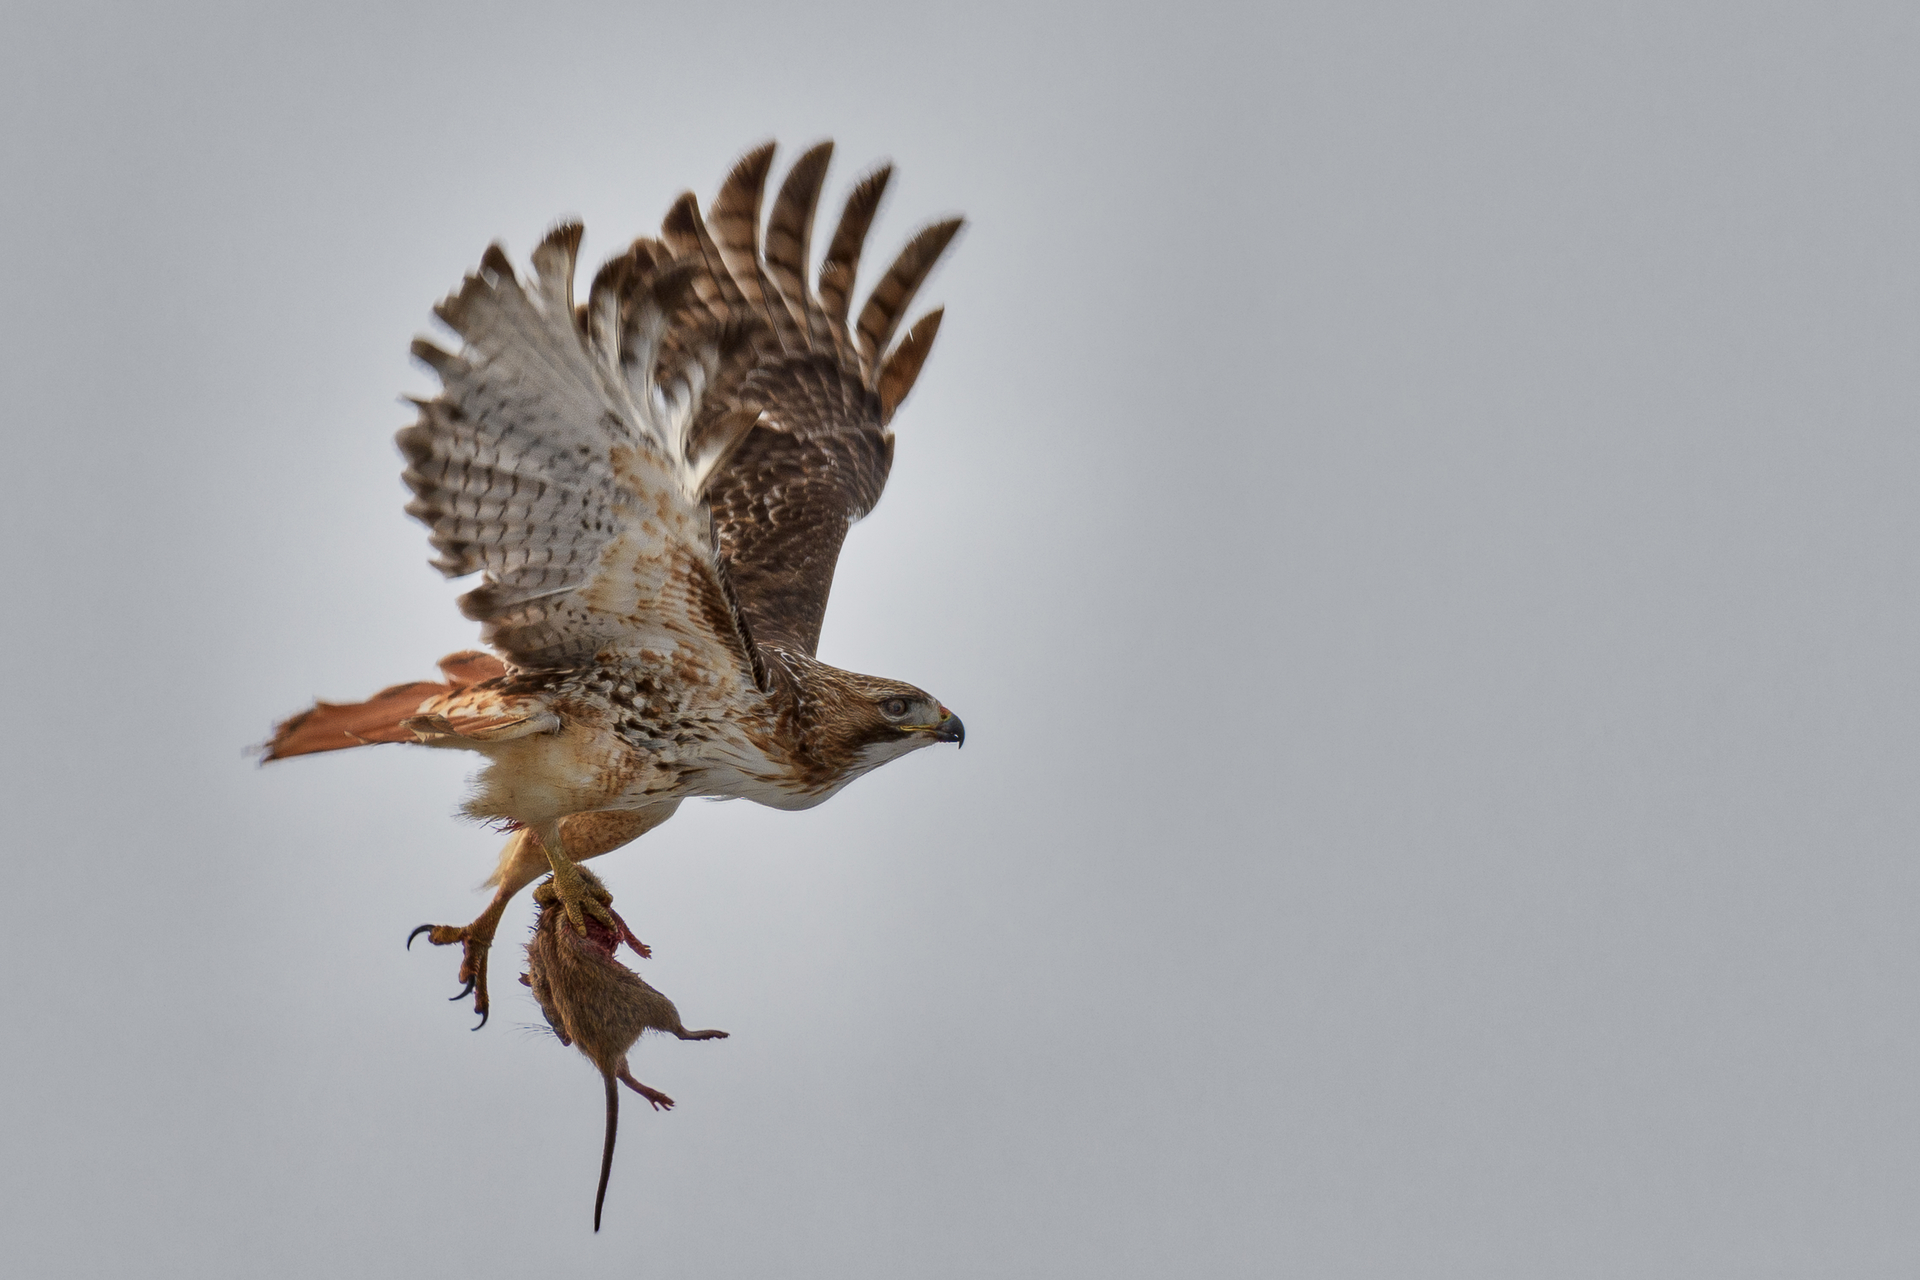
(606, 1155)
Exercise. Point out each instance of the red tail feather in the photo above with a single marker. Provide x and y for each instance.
(334, 726)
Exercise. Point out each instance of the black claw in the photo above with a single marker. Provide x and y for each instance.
(425, 928)
(482, 1022)
(462, 993)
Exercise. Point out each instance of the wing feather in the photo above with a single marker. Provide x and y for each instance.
(790, 226)
(902, 368)
(734, 222)
(894, 294)
(673, 464)
(842, 262)
(565, 481)
(816, 398)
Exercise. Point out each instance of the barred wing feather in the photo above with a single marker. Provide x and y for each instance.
(555, 464)
(815, 391)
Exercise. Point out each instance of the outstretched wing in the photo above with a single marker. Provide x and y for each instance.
(557, 466)
(814, 389)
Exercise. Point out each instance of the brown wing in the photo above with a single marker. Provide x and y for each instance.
(569, 484)
(814, 389)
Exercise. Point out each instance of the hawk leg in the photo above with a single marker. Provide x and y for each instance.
(476, 940)
(475, 943)
(524, 860)
(579, 893)
(599, 896)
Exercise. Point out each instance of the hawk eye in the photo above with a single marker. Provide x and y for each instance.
(894, 708)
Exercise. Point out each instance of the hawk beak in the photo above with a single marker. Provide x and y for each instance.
(950, 730)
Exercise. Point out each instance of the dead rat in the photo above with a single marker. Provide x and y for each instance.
(595, 1003)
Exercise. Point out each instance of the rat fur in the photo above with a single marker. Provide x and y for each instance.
(596, 1004)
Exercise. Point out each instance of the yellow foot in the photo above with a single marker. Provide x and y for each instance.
(475, 940)
(580, 895)
(596, 902)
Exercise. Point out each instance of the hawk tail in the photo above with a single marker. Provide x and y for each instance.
(334, 726)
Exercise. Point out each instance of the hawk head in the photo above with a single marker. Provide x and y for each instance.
(856, 723)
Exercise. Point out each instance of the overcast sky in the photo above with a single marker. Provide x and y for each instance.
(1415, 504)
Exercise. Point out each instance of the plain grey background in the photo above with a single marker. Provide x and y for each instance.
(1414, 502)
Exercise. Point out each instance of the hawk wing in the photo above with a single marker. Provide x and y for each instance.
(555, 465)
(813, 390)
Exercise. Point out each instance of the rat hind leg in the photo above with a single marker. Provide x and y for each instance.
(660, 1101)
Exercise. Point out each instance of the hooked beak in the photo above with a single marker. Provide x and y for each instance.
(950, 729)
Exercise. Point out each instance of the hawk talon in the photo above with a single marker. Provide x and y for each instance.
(580, 894)
(473, 960)
(578, 909)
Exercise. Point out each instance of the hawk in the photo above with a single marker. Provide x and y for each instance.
(653, 486)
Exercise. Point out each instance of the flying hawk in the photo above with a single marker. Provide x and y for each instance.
(654, 486)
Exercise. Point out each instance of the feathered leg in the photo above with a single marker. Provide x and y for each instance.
(524, 860)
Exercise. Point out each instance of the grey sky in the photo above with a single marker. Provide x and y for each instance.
(1414, 503)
